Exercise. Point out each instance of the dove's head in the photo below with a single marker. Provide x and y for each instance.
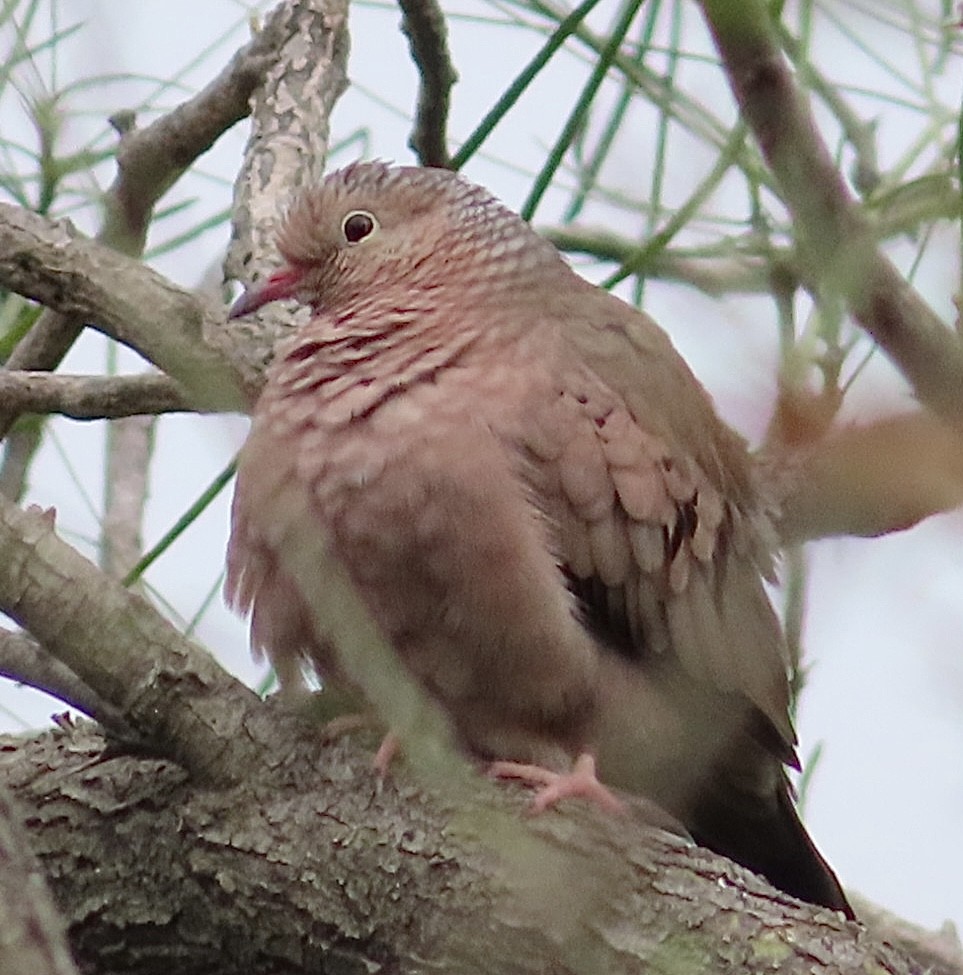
(371, 226)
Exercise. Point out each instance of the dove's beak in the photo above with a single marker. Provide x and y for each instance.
(282, 284)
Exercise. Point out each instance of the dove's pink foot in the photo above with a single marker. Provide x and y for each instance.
(385, 755)
(552, 786)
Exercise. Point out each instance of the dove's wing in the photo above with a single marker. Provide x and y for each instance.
(657, 528)
(652, 500)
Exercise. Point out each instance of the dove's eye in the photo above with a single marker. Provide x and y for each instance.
(357, 225)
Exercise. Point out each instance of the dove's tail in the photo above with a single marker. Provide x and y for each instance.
(769, 838)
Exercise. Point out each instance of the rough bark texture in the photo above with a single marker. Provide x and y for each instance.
(312, 865)
(33, 941)
(287, 148)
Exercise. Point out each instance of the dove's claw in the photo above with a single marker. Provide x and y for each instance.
(552, 786)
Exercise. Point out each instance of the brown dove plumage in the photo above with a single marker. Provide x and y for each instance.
(536, 500)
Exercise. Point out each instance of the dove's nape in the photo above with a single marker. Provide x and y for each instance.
(536, 500)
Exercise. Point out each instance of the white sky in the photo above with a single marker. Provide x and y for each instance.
(883, 631)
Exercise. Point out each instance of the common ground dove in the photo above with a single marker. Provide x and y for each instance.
(536, 500)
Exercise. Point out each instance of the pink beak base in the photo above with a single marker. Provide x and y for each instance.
(281, 284)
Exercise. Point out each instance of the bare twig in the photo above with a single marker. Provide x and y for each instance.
(25, 661)
(19, 448)
(130, 443)
(54, 264)
(90, 397)
(151, 160)
(747, 265)
(714, 275)
(423, 23)
(832, 233)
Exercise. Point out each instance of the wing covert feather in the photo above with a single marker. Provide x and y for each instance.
(653, 497)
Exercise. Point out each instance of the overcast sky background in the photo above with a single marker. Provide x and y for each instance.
(885, 619)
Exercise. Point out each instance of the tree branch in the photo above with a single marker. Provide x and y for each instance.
(18, 450)
(149, 162)
(33, 941)
(130, 444)
(832, 234)
(90, 397)
(168, 690)
(323, 868)
(716, 275)
(423, 23)
(860, 135)
(737, 266)
(25, 661)
(290, 113)
(54, 264)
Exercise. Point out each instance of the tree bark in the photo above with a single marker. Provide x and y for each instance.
(312, 864)
(33, 941)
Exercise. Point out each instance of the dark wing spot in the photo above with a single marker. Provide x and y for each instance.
(689, 516)
(686, 522)
(602, 616)
(305, 351)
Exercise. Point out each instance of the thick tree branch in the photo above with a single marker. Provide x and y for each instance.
(832, 234)
(33, 941)
(935, 951)
(290, 113)
(90, 397)
(18, 450)
(287, 148)
(423, 23)
(167, 689)
(322, 868)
